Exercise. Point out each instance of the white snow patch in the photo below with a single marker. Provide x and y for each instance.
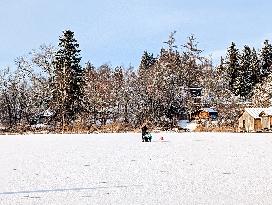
(186, 124)
(184, 168)
(39, 125)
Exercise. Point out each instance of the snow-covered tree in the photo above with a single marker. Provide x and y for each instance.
(255, 67)
(266, 59)
(233, 69)
(143, 86)
(246, 73)
(262, 93)
(25, 89)
(191, 59)
(164, 85)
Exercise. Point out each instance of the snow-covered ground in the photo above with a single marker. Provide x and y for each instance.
(191, 126)
(186, 168)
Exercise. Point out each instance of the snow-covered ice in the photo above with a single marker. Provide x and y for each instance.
(188, 125)
(185, 168)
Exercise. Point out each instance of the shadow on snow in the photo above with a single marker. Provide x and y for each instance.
(64, 190)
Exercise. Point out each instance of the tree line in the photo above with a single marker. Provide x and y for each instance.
(50, 86)
(247, 68)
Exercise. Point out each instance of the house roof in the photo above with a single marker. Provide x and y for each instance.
(255, 112)
(268, 111)
(208, 110)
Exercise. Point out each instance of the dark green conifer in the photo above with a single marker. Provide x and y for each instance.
(246, 73)
(266, 59)
(233, 69)
(68, 78)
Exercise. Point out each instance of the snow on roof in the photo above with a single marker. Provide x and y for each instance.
(47, 113)
(208, 110)
(255, 112)
(268, 111)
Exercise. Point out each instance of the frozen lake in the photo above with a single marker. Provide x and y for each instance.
(186, 168)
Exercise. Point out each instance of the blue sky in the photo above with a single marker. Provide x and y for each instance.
(118, 31)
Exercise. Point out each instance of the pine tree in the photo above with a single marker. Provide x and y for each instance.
(266, 59)
(246, 73)
(233, 69)
(255, 67)
(144, 98)
(147, 61)
(68, 79)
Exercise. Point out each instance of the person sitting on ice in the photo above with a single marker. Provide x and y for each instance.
(144, 131)
(146, 137)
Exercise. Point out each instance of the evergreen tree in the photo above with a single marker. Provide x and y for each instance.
(234, 74)
(246, 73)
(266, 59)
(147, 62)
(144, 98)
(68, 79)
(255, 67)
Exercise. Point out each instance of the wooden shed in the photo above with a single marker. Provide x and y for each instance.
(205, 114)
(256, 120)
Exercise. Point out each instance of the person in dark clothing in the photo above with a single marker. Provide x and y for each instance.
(144, 131)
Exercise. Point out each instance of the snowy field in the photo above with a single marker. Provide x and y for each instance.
(185, 168)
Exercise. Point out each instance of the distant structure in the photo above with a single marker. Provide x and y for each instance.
(200, 110)
(42, 118)
(196, 95)
(205, 114)
(255, 120)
